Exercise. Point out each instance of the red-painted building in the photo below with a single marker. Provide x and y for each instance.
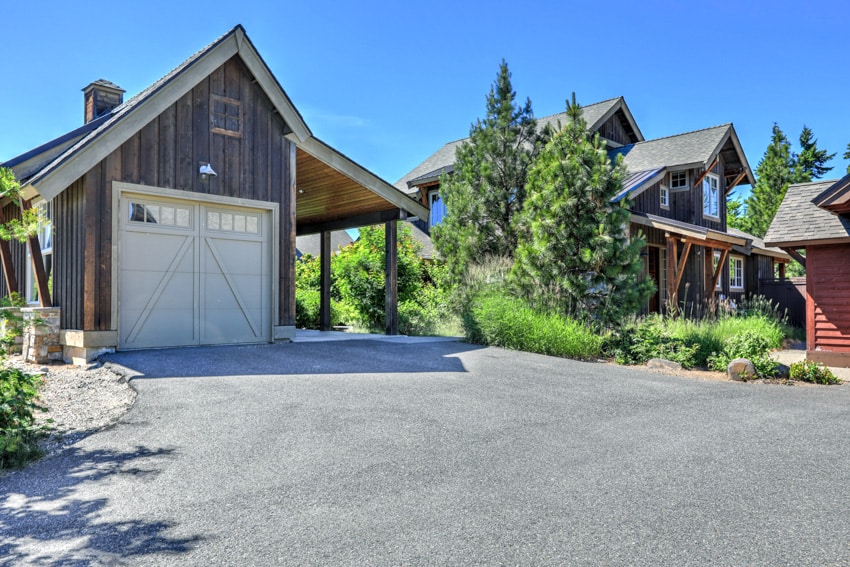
(813, 225)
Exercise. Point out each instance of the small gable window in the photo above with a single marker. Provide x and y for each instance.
(225, 116)
(665, 197)
(679, 180)
(711, 196)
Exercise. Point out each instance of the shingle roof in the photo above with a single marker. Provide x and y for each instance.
(687, 149)
(757, 245)
(427, 252)
(312, 243)
(799, 220)
(444, 158)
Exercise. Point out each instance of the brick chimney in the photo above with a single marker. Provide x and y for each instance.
(100, 97)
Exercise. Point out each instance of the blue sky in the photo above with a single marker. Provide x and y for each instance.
(388, 83)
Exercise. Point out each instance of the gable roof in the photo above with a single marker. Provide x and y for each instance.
(756, 245)
(799, 221)
(836, 198)
(52, 167)
(442, 161)
(686, 150)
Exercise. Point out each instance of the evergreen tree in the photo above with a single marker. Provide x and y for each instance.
(576, 254)
(810, 163)
(847, 156)
(774, 173)
(487, 187)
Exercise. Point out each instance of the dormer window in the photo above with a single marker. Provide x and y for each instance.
(679, 180)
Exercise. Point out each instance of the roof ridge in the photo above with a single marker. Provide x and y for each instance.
(547, 116)
(818, 182)
(682, 134)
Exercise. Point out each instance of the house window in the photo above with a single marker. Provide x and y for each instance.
(710, 196)
(736, 273)
(438, 208)
(225, 116)
(679, 180)
(45, 242)
(665, 197)
(163, 215)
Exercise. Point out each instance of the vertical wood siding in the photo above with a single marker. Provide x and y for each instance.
(19, 255)
(828, 297)
(167, 152)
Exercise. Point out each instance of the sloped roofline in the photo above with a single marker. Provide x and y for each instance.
(127, 119)
(835, 196)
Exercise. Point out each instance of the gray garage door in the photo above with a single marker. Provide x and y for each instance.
(193, 274)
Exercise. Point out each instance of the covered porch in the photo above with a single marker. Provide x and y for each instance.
(334, 193)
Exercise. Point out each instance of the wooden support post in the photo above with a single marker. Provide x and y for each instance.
(325, 281)
(672, 268)
(708, 278)
(391, 277)
(39, 272)
(681, 263)
(724, 254)
(782, 271)
(8, 265)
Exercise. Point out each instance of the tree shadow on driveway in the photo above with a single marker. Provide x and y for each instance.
(47, 517)
(318, 358)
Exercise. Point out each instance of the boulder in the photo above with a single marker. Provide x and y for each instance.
(741, 370)
(663, 364)
(783, 371)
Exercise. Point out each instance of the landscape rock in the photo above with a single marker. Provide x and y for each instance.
(663, 364)
(783, 371)
(741, 370)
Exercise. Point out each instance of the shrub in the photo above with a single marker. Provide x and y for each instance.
(751, 345)
(814, 372)
(649, 338)
(307, 306)
(499, 319)
(19, 434)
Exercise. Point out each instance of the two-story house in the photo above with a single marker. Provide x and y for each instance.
(678, 186)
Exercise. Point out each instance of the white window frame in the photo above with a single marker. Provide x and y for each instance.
(45, 242)
(675, 175)
(665, 197)
(711, 196)
(736, 273)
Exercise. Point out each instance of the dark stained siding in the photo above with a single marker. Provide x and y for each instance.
(613, 130)
(19, 255)
(167, 152)
(68, 254)
(828, 301)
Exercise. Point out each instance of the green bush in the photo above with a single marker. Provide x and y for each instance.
(19, 433)
(814, 372)
(499, 319)
(308, 303)
(750, 344)
(652, 337)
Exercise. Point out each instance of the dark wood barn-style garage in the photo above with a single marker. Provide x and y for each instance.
(174, 213)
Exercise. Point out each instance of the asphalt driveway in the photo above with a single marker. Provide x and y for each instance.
(375, 453)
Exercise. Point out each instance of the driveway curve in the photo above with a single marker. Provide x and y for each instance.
(383, 453)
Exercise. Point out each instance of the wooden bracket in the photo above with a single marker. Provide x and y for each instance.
(796, 255)
(737, 180)
(704, 173)
(719, 269)
(8, 265)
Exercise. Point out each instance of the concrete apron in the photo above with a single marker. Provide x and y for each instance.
(311, 336)
(797, 355)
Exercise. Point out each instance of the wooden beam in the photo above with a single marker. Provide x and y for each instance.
(8, 265)
(720, 245)
(351, 222)
(391, 277)
(708, 276)
(325, 281)
(796, 255)
(724, 254)
(672, 269)
(737, 180)
(704, 173)
(680, 271)
(38, 265)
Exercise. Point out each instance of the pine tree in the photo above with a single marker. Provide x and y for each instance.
(774, 173)
(487, 187)
(810, 163)
(576, 254)
(847, 156)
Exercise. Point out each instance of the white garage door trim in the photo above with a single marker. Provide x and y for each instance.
(121, 192)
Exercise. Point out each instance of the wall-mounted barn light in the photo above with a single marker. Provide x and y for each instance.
(206, 172)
